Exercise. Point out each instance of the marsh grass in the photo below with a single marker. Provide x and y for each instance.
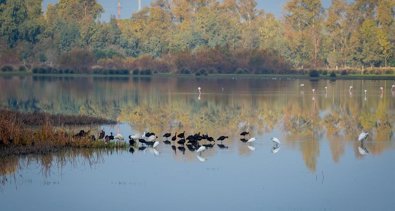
(28, 133)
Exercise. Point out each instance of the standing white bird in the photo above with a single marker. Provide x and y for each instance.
(362, 136)
(275, 140)
(201, 149)
(119, 137)
(301, 85)
(313, 90)
(251, 140)
(199, 89)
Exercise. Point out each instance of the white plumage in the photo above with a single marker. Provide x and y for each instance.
(201, 149)
(362, 136)
(275, 140)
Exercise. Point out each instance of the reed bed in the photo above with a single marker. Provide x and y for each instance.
(27, 133)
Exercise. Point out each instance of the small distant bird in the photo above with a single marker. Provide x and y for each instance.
(181, 135)
(301, 85)
(362, 136)
(167, 135)
(199, 89)
(313, 90)
(132, 142)
(275, 140)
(102, 134)
(201, 149)
(251, 140)
(244, 133)
(174, 137)
(119, 137)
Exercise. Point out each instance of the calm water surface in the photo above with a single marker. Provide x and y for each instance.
(319, 164)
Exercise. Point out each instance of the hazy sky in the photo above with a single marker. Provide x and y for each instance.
(130, 6)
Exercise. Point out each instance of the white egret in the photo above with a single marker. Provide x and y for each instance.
(362, 136)
(275, 140)
(313, 90)
(301, 85)
(201, 149)
(251, 140)
(199, 89)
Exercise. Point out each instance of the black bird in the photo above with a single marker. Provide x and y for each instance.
(181, 135)
(102, 134)
(142, 148)
(148, 134)
(222, 146)
(92, 137)
(210, 139)
(131, 150)
(181, 141)
(174, 137)
(167, 135)
(107, 138)
(221, 138)
(244, 133)
(166, 142)
(111, 137)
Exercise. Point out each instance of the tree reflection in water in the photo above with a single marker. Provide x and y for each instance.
(224, 107)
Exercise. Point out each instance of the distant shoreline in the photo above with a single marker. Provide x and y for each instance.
(208, 76)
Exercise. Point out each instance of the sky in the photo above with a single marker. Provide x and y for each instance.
(130, 6)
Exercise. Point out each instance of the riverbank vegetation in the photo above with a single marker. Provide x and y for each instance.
(198, 38)
(26, 133)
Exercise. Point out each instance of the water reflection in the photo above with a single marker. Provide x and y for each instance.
(303, 113)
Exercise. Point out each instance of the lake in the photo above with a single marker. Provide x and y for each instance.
(319, 164)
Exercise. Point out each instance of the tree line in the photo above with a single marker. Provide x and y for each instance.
(199, 36)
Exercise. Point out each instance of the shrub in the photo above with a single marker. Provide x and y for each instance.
(7, 68)
(325, 72)
(333, 75)
(314, 73)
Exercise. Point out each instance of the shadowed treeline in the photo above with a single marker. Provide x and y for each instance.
(198, 37)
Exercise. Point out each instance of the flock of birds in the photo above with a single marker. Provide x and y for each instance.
(350, 90)
(181, 142)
